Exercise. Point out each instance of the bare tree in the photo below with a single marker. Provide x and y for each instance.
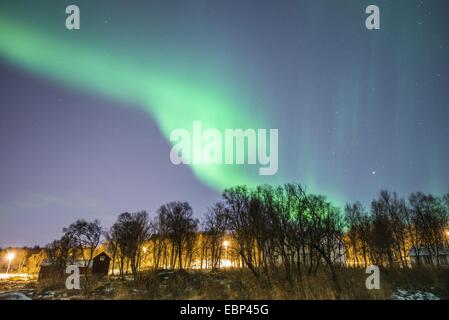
(430, 219)
(214, 232)
(58, 252)
(241, 221)
(86, 237)
(130, 233)
(159, 241)
(181, 227)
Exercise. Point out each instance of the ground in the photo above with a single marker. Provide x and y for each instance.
(238, 284)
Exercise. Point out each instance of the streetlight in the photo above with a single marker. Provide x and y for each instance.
(10, 256)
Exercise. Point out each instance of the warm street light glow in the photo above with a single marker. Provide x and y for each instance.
(144, 249)
(22, 276)
(10, 256)
(226, 263)
(225, 243)
(447, 233)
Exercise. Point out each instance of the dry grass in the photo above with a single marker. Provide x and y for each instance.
(241, 284)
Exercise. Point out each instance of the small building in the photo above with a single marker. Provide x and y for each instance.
(422, 256)
(100, 264)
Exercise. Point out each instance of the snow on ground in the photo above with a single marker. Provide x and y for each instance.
(13, 296)
(401, 294)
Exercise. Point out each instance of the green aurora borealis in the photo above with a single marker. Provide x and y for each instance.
(173, 98)
(334, 105)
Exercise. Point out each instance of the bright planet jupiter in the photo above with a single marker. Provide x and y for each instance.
(86, 115)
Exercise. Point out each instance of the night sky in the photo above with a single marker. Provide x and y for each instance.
(86, 115)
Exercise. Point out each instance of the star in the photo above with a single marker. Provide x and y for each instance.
(373, 172)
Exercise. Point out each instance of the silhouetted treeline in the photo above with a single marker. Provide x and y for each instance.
(267, 230)
(386, 234)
